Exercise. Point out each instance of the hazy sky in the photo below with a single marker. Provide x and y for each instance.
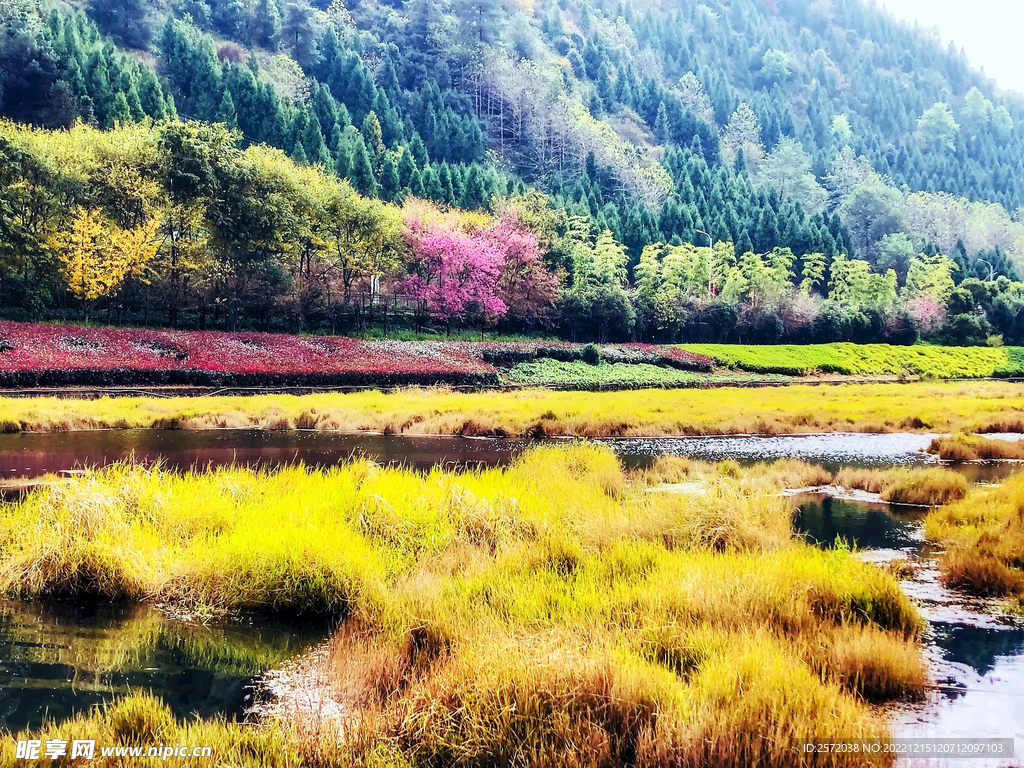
(988, 30)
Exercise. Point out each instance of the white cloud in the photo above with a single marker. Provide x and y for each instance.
(988, 30)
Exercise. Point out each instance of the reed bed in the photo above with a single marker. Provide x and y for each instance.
(984, 540)
(141, 720)
(963, 448)
(925, 406)
(554, 612)
(926, 486)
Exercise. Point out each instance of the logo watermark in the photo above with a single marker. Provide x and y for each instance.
(86, 749)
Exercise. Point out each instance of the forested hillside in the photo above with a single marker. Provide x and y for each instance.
(823, 135)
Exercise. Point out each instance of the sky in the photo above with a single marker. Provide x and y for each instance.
(988, 30)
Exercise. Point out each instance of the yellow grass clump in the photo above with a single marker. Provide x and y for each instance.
(984, 539)
(924, 486)
(554, 612)
(963, 448)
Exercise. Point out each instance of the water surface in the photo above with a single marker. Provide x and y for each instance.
(28, 455)
(57, 660)
(975, 651)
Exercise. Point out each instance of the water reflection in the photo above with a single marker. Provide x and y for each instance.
(56, 660)
(27, 455)
(980, 648)
(975, 651)
(861, 525)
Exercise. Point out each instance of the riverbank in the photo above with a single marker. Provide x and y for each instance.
(540, 605)
(945, 407)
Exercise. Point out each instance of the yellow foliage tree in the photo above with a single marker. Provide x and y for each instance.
(97, 257)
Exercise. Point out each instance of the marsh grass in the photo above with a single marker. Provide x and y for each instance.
(946, 407)
(926, 486)
(554, 612)
(139, 719)
(963, 448)
(984, 539)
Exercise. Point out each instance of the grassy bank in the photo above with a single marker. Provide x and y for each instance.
(868, 359)
(554, 608)
(984, 540)
(939, 407)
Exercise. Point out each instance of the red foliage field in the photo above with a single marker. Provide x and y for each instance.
(64, 355)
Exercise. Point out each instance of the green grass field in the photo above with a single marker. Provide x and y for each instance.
(581, 376)
(868, 359)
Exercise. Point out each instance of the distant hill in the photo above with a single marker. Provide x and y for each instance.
(757, 121)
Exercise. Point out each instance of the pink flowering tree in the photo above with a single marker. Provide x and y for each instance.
(455, 275)
(525, 285)
(927, 311)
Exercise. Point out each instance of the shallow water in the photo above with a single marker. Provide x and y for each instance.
(832, 450)
(28, 455)
(975, 651)
(56, 660)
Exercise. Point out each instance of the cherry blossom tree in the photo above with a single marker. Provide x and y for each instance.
(525, 285)
(455, 275)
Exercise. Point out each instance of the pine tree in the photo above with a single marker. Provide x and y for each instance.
(226, 111)
(268, 24)
(475, 194)
(298, 32)
(373, 136)
(343, 159)
(313, 142)
(390, 186)
(432, 188)
(406, 167)
(361, 170)
(119, 111)
(662, 130)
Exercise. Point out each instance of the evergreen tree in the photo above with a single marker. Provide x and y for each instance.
(361, 169)
(390, 185)
(119, 111)
(406, 168)
(198, 11)
(125, 21)
(298, 33)
(373, 136)
(226, 112)
(268, 24)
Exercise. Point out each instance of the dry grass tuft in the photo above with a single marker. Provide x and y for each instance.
(865, 660)
(984, 537)
(963, 448)
(929, 486)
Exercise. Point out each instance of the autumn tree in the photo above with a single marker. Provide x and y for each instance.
(97, 256)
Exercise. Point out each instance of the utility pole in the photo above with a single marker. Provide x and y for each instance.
(711, 251)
